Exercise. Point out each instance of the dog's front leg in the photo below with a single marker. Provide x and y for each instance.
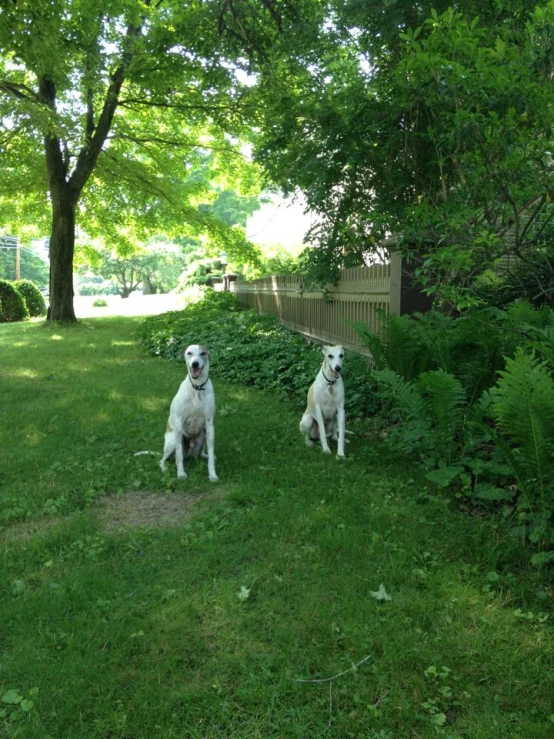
(322, 434)
(179, 453)
(341, 431)
(210, 443)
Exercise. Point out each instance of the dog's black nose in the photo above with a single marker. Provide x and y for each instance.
(194, 364)
(338, 368)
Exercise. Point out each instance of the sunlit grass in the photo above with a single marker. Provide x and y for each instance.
(202, 628)
(24, 372)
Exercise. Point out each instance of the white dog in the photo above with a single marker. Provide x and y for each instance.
(191, 415)
(324, 415)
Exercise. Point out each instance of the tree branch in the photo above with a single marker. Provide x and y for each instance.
(88, 156)
(143, 102)
(21, 92)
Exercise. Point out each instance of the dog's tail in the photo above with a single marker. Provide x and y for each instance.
(138, 454)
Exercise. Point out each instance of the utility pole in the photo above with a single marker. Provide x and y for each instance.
(17, 260)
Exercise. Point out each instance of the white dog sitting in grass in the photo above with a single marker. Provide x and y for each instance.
(191, 415)
(324, 416)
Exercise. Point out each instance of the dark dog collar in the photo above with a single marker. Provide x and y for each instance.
(329, 382)
(198, 387)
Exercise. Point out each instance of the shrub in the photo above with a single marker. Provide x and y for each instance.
(100, 303)
(12, 304)
(32, 296)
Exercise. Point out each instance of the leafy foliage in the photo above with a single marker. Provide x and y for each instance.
(398, 345)
(471, 346)
(32, 297)
(523, 404)
(430, 123)
(12, 303)
(480, 415)
(111, 129)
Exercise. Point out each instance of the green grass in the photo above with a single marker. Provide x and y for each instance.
(132, 625)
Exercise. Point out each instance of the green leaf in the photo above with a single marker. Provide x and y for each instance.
(542, 558)
(12, 697)
(486, 491)
(444, 476)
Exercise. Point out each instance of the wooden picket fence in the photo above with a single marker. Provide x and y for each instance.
(326, 315)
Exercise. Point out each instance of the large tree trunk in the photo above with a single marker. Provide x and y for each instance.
(62, 245)
(66, 188)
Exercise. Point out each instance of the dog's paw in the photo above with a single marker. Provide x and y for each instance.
(181, 475)
(214, 478)
(327, 451)
(340, 456)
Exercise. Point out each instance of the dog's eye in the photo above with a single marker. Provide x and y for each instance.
(202, 354)
(341, 356)
(330, 356)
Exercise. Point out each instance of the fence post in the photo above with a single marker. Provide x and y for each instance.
(395, 286)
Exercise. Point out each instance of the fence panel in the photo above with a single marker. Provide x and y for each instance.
(324, 315)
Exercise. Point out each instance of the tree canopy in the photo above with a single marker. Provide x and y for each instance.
(421, 121)
(429, 122)
(105, 110)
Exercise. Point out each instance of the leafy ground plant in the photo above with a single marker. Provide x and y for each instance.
(136, 605)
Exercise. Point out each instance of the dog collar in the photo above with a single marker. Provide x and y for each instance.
(198, 387)
(329, 382)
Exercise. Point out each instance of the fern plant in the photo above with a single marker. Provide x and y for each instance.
(428, 414)
(398, 345)
(523, 405)
(445, 407)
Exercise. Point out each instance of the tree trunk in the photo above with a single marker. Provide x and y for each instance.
(62, 245)
(147, 287)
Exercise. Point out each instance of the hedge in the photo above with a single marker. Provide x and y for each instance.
(12, 303)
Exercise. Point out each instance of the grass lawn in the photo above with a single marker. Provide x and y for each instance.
(133, 605)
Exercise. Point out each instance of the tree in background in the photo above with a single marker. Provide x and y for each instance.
(429, 124)
(104, 111)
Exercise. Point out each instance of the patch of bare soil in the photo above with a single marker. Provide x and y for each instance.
(28, 529)
(132, 510)
(138, 509)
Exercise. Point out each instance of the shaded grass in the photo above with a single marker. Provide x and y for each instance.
(141, 631)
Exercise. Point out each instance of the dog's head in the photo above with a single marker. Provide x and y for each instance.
(197, 359)
(332, 359)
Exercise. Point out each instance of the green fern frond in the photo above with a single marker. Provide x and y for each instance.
(403, 396)
(398, 344)
(444, 401)
(524, 407)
